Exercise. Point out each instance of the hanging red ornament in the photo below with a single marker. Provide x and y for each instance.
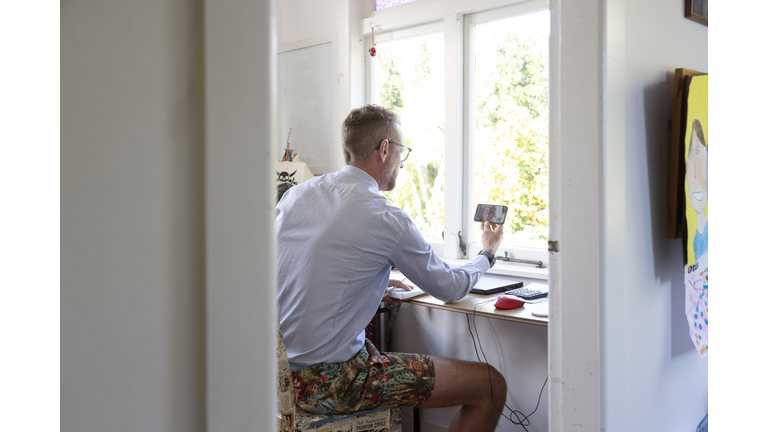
(373, 46)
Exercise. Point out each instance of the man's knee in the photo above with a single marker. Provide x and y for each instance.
(499, 387)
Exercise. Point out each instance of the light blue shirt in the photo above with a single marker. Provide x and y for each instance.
(337, 238)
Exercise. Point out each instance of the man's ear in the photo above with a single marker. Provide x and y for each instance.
(383, 150)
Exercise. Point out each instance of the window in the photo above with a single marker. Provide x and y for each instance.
(505, 125)
(508, 121)
(409, 76)
(384, 4)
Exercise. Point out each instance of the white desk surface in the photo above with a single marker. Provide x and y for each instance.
(467, 305)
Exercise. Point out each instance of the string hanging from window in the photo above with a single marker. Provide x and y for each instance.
(373, 45)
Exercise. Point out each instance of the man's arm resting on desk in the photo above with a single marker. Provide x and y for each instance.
(398, 284)
(419, 263)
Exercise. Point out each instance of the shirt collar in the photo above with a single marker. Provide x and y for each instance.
(361, 174)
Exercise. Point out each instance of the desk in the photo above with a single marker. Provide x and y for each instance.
(518, 352)
(467, 306)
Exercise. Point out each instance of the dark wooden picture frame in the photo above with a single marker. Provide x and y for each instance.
(676, 207)
(697, 10)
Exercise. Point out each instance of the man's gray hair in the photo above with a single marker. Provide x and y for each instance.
(364, 128)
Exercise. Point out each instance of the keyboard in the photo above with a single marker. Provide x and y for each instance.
(527, 293)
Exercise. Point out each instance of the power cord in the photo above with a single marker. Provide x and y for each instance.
(525, 421)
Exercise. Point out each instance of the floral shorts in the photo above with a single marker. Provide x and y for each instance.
(369, 380)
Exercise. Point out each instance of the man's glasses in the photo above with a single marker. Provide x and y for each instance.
(406, 150)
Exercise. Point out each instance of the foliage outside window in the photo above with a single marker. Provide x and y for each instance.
(511, 124)
(410, 77)
(510, 131)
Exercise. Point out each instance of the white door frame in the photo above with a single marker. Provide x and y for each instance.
(576, 140)
(240, 46)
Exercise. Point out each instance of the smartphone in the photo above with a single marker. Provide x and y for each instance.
(492, 213)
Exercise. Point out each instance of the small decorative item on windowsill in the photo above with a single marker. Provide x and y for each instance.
(290, 169)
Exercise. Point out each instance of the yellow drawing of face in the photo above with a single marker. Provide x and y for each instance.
(696, 173)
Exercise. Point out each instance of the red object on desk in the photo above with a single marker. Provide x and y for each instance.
(506, 302)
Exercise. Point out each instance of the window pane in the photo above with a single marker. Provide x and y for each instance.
(383, 4)
(410, 82)
(511, 125)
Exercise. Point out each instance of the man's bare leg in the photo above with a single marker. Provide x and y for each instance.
(465, 383)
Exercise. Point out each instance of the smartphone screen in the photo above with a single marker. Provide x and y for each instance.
(492, 213)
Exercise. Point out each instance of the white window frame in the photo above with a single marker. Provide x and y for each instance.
(458, 30)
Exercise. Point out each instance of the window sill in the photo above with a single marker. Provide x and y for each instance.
(508, 269)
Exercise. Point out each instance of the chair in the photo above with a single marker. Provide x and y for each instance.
(291, 418)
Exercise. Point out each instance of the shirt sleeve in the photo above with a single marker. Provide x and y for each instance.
(416, 259)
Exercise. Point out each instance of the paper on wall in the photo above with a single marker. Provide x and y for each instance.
(696, 214)
(292, 172)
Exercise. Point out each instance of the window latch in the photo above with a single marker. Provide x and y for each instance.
(508, 258)
(462, 245)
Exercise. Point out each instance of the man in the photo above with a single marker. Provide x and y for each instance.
(337, 239)
(489, 213)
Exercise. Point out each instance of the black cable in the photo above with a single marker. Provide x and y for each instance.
(525, 421)
(470, 329)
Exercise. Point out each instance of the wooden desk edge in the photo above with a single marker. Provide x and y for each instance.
(420, 301)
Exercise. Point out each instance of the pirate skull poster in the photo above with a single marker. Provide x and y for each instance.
(292, 172)
(696, 214)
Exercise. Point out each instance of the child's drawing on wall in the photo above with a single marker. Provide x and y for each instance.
(696, 180)
(696, 215)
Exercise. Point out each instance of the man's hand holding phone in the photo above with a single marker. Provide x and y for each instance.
(492, 218)
(493, 213)
(492, 236)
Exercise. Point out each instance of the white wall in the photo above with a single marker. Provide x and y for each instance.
(298, 20)
(132, 347)
(653, 379)
(167, 272)
(303, 20)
